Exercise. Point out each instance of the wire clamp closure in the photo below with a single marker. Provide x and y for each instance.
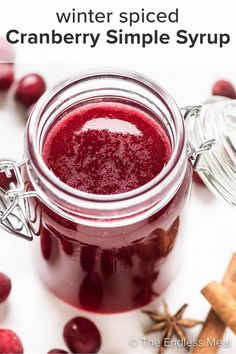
(193, 153)
(13, 217)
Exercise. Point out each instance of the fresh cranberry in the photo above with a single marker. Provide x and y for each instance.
(6, 76)
(5, 287)
(57, 351)
(224, 88)
(82, 336)
(29, 89)
(10, 343)
(7, 52)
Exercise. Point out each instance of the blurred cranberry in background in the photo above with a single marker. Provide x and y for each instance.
(10, 343)
(29, 89)
(6, 76)
(5, 287)
(7, 52)
(224, 88)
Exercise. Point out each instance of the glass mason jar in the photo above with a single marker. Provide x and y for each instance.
(113, 253)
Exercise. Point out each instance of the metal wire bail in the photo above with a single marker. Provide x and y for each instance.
(12, 212)
(196, 153)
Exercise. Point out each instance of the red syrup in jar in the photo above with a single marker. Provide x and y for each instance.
(108, 148)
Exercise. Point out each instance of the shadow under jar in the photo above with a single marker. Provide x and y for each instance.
(102, 248)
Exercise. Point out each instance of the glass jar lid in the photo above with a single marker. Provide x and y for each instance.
(215, 121)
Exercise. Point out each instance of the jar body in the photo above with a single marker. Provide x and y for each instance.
(109, 270)
(107, 253)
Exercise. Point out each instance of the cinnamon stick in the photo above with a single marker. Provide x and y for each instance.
(214, 327)
(222, 302)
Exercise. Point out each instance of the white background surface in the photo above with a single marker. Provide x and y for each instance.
(37, 316)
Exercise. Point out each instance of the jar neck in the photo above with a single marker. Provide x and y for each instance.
(118, 209)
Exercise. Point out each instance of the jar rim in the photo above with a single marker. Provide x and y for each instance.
(80, 199)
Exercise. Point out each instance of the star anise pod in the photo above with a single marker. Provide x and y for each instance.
(170, 325)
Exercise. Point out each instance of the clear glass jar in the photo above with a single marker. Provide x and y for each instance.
(110, 253)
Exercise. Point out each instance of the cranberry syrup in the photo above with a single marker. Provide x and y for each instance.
(108, 148)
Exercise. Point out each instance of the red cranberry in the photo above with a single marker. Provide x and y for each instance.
(57, 351)
(82, 336)
(29, 89)
(6, 76)
(5, 287)
(7, 52)
(10, 343)
(224, 88)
